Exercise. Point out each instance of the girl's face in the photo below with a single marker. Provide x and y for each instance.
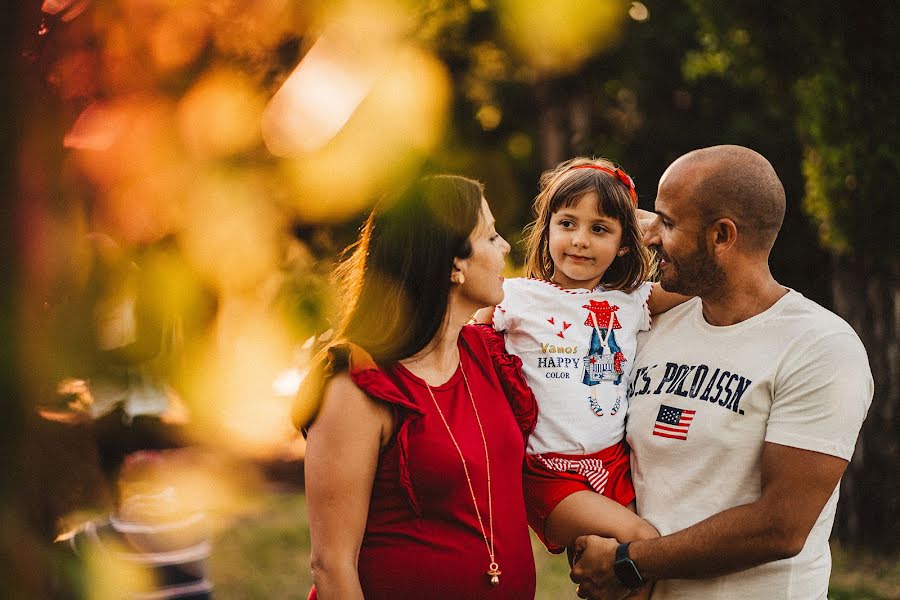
(483, 269)
(583, 243)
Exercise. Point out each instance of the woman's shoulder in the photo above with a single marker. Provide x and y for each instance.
(373, 379)
(485, 342)
(345, 369)
(350, 405)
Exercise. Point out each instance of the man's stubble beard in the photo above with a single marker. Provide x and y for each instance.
(695, 275)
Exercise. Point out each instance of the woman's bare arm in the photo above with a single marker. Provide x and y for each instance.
(341, 457)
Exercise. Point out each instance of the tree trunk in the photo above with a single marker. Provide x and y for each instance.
(580, 116)
(564, 124)
(551, 130)
(869, 508)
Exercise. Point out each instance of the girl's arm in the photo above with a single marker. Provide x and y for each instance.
(484, 316)
(660, 300)
(341, 457)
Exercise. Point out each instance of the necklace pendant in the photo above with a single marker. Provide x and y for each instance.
(494, 573)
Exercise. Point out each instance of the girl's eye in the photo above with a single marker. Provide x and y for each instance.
(599, 229)
(666, 225)
(565, 223)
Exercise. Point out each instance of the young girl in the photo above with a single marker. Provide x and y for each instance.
(574, 322)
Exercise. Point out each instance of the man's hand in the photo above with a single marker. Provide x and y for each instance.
(593, 570)
(644, 219)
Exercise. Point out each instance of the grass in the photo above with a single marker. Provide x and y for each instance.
(265, 554)
(861, 576)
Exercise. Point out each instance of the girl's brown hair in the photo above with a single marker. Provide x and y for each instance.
(564, 186)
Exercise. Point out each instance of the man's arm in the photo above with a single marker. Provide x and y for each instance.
(796, 484)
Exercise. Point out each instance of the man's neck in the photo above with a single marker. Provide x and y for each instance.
(742, 298)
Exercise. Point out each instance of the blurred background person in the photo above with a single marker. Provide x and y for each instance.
(156, 541)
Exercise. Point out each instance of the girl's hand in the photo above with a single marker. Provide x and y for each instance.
(484, 316)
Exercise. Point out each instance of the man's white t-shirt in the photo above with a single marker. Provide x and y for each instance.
(574, 369)
(704, 399)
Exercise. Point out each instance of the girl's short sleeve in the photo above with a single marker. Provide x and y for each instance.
(641, 296)
(501, 320)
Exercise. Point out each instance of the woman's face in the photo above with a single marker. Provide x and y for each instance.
(483, 269)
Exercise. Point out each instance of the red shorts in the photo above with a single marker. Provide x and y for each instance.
(545, 488)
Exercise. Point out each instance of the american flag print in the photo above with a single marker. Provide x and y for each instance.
(673, 422)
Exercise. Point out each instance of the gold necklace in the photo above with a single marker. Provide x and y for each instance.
(493, 569)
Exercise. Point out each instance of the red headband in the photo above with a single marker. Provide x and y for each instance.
(618, 174)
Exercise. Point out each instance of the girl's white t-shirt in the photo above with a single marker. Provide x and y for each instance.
(577, 348)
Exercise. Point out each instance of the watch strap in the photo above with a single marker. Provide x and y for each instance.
(625, 569)
(622, 552)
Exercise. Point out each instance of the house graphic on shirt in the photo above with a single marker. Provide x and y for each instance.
(604, 359)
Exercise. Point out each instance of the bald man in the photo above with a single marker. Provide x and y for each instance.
(744, 406)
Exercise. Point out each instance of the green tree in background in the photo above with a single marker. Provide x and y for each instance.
(808, 86)
(642, 101)
(831, 68)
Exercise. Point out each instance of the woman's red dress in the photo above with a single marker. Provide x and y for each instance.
(422, 538)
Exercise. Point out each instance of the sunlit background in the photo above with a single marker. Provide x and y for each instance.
(187, 173)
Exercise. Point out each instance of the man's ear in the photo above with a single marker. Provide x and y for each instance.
(723, 235)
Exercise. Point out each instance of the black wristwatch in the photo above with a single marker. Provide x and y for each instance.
(625, 569)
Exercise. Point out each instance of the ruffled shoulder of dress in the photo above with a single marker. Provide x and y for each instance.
(509, 372)
(373, 381)
(368, 376)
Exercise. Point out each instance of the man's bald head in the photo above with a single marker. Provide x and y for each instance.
(737, 183)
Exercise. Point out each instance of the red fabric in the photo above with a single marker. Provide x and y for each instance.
(422, 537)
(545, 489)
(509, 368)
(619, 174)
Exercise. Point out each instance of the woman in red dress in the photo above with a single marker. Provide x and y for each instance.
(414, 460)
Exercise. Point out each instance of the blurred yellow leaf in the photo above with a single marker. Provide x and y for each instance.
(557, 38)
(401, 119)
(232, 233)
(219, 116)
